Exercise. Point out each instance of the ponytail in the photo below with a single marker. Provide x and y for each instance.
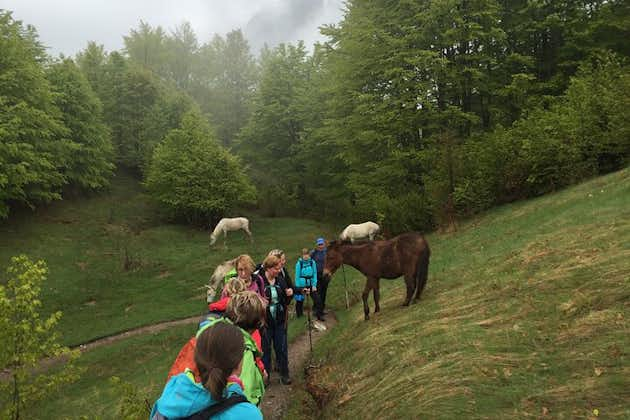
(219, 351)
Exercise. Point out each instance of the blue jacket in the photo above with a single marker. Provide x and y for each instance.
(183, 397)
(305, 274)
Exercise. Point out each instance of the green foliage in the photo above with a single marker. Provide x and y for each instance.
(195, 178)
(270, 141)
(32, 152)
(27, 340)
(134, 403)
(224, 82)
(90, 166)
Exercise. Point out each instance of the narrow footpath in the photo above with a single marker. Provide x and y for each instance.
(277, 396)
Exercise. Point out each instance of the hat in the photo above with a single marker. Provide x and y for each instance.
(320, 241)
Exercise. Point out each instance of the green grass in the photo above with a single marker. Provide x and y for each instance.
(86, 243)
(525, 311)
(525, 314)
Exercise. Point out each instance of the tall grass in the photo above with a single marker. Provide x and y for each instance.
(526, 314)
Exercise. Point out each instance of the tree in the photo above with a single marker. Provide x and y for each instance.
(147, 47)
(32, 153)
(27, 339)
(271, 138)
(90, 166)
(194, 177)
(225, 79)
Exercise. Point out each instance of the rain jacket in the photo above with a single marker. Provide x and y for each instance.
(183, 397)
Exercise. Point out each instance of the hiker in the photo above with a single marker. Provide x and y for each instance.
(306, 284)
(319, 256)
(244, 269)
(274, 332)
(246, 310)
(219, 393)
(231, 288)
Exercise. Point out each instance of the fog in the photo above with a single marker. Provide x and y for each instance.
(65, 26)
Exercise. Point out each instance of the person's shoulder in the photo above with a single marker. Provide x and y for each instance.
(243, 410)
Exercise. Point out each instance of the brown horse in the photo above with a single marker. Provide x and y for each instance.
(405, 255)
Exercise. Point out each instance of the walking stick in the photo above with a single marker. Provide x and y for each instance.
(308, 320)
(345, 285)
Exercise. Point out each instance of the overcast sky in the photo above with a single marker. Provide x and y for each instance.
(66, 26)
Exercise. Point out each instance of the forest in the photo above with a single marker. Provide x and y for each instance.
(414, 114)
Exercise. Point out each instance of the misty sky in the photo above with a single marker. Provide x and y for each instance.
(65, 26)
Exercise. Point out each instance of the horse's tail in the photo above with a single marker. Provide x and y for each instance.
(422, 269)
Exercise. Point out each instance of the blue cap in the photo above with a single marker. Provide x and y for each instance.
(320, 241)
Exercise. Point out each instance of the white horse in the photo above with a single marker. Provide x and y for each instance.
(362, 230)
(226, 225)
(216, 281)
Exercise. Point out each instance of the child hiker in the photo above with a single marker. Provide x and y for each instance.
(306, 284)
(219, 394)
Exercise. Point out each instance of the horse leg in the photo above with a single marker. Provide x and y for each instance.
(410, 282)
(377, 294)
(248, 234)
(422, 274)
(364, 295)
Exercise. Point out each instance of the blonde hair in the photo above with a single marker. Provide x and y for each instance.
(246, 309)
(270, 261)
(234, 286)
(304, 251)
(246, 260)
(277, 252)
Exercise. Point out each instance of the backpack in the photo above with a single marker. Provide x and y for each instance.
(308, 278)
(210, 411)
(220, 407)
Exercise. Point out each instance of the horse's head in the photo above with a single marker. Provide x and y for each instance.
(334, 259)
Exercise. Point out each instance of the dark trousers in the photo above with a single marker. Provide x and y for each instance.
(315, 300)
(276, 335)
(322, 288)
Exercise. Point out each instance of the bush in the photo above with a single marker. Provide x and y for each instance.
(194, 177)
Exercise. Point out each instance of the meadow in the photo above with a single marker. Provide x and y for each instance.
(525, 313)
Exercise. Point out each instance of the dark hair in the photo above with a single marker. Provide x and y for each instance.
(219, 351)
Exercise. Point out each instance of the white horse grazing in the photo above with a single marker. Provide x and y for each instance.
(215, 283)
(226, 225)
(362, 230)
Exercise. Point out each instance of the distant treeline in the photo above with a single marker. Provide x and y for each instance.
(412, 114)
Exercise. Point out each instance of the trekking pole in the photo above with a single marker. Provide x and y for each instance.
(345, 285)
(308, 320)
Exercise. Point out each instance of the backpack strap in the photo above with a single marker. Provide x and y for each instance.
(217, 408)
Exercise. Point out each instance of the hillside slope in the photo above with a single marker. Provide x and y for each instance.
(526, 314)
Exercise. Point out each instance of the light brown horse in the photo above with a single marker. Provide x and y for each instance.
(405, 255)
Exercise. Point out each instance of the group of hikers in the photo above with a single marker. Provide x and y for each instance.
(222, 371)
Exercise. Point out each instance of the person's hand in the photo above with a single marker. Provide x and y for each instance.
(314, 289)
(289, 292)
(307, 290)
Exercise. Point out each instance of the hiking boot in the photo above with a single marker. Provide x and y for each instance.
(321, 318)
(285, 380)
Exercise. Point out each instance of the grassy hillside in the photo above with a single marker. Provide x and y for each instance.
(87, 243)
(526, 314)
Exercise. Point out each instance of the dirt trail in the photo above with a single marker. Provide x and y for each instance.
(137, 331)
(277, 396)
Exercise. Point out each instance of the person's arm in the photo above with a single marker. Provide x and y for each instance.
(314, 274)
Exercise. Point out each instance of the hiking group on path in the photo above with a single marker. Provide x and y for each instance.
(223, 370)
